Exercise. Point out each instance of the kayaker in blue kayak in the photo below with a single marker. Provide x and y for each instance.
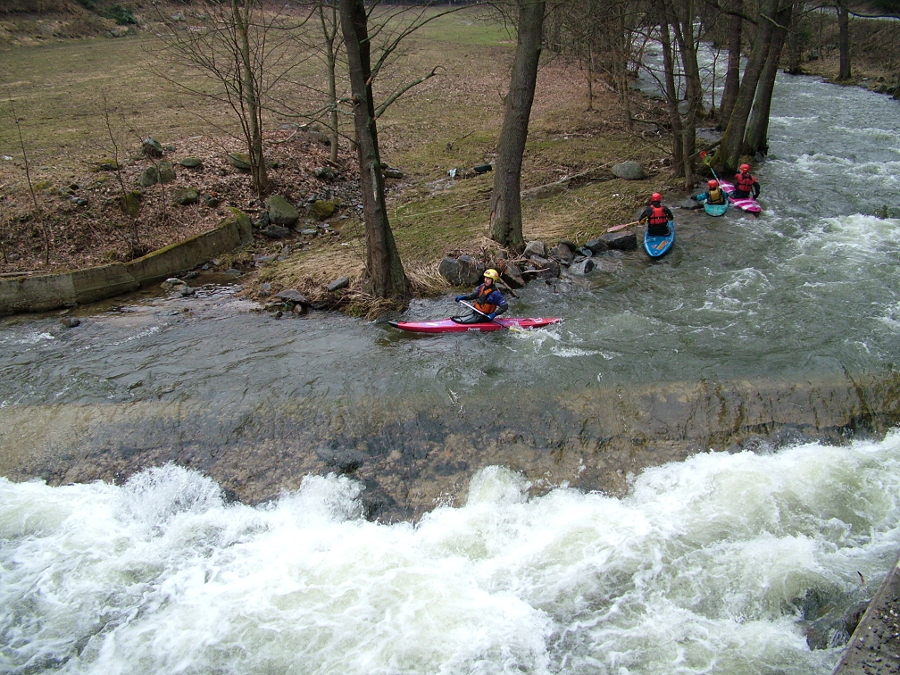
(713, 195)
(488, 300)
(745, 184)
(657, 217)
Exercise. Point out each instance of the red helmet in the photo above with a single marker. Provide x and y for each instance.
(656, 197)
(713, 184)
(745, 167)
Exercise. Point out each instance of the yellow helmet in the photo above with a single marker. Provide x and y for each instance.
(492, 274)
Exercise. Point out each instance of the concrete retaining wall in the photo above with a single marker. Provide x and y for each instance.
(52, 291)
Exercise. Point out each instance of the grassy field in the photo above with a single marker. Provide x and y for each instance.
(65, 93)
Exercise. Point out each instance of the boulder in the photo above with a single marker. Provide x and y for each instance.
(582, 267)
(191, 162)
(323, 208)
(239, 160)
(621, 241)
(151, 147)
(281, 211)
(535, 248)
(338, 284)
(166, 172)
(629, 170)
(185, 196)
(461, 271)
(597, 245)
(562, 254)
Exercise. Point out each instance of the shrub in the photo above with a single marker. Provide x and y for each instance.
(121, 15)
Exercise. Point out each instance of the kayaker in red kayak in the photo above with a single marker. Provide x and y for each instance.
(488, 300)
(745, 183)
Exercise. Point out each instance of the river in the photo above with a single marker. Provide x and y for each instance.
(695, 472)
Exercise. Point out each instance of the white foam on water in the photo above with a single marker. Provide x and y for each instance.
(700, 569)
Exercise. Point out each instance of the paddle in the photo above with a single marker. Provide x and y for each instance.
(705, 157)
(616, 228)
(477, 311)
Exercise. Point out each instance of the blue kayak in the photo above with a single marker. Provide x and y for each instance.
(657, 245)
(715, 209)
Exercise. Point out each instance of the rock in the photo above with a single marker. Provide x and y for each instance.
(293, 296)
(166, 172)
(545, 267)
(326, 173)
(149, 177)
(391, 172)
(240, 160)
(621, 241)
(212, 201)
(281, 211)
(271, 231)
(562, 254)
(597, 245)
(461, 271)
(582, 267)
(323, 208)
(191, 163)
(629, 171)
(151, 148)
(130, 203)
(185, 196)
(512, 275)
(171, 283)
(338, 284)
(70, 321)
(535, 248)
(104, 164)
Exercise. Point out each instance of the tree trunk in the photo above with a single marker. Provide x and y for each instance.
(250, 97)
(506, 200)
(386, 275)
(843, 41)
(329, 32)
(672, 98)
(686, 12)
(756, 136)
(733, 72)
(727, 159)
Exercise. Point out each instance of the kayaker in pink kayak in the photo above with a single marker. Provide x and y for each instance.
(745, 183)
(488, 300)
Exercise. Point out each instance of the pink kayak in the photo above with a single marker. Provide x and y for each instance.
(451, 326)
(744, 203)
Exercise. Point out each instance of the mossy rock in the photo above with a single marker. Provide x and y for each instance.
(240, 160)
(166, 172)
(185, 196)
(324, 208)
(104, 164)
(191, 162)
(130, 203)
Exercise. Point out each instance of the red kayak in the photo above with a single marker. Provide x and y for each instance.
(451, 326)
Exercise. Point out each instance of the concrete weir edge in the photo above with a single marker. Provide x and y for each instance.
(27, 293)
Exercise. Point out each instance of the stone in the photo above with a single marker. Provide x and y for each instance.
(151, 148)
(191, 162)
(338, 284)
(629, 170)
(535, 248)
(597, 245)
(293, 296)
(185, 196)
(621, 241)
(150, 176)
(240, 160)
(166, 172)
(323, 208)
(281, 211)
(272, 231)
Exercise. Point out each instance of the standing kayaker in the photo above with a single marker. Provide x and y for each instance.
(488, 300)
(713, 195)
(745, 184)
(657, 217)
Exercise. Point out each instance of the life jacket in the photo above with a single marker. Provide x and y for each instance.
(657, 216)
(744, 182)
(715, 196)
(481, 302)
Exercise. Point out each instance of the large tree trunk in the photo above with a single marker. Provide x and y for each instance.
(506, 200)
(733, 73)
(843, 41)
(728, 156)
(672, 98)
(756, 136)
(386, 274)
(250, 97)
(686, 12)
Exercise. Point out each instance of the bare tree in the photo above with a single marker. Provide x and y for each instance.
(387, 276)
(506, 199)
(245, 48)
